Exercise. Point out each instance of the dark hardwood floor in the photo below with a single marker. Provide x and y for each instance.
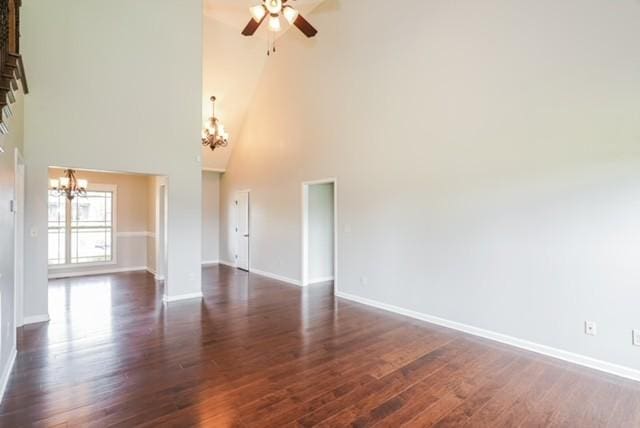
(256, 353)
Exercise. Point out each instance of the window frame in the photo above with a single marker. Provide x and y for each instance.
(114, 226)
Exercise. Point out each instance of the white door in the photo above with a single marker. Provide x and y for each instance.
(242, 230)
(19, 241)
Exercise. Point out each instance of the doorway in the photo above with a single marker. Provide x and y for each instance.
(319, 237)
(18, 210)
(242, 230)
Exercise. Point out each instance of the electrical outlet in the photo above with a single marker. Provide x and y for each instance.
(590, 328)
(636, 337)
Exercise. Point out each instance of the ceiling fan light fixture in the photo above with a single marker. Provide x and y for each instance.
(273, 9)
(290, 14)
(258, 12)
(274, 23)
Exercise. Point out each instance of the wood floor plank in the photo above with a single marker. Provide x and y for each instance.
(255, 352)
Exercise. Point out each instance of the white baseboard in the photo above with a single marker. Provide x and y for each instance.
(35, 319)
(58, 275)
(319, 280)
(155, 274)
(170, 299)
(6, 372)
(210, 263)
(265, 274)
(276, 277)
(604, 366)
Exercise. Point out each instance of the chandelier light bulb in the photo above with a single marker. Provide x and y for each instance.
(273, 6)
(53, 183)
(64, 181)
(82, 183)
(274, 23)
(290, 14)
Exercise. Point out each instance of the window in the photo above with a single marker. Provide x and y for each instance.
(81, 230)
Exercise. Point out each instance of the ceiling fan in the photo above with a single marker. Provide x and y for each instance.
(271, 10)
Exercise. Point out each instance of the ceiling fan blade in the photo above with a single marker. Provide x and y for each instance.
(304, 26)
(252, 26)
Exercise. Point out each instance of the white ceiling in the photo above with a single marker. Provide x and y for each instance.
(235, 13)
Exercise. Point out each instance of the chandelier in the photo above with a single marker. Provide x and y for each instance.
(69, 185)
(213, 134)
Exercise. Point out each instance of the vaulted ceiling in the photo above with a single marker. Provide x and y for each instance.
(232, 66)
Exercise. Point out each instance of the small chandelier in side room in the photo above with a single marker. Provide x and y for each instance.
(69, 185)
(213, 134)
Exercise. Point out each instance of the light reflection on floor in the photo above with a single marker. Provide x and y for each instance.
(91, 302)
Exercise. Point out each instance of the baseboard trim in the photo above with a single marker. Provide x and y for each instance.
(59, 275)
(155, 274)
(582, 360)
(319, 280)
(227, 263)
(276, 277)
(210, 263)
(35, 319)
(170, 299)
(6, 373)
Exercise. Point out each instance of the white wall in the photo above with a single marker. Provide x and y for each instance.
(8, 143)
(320, 227)
(115, 86)
(488, 160)
(210, 217)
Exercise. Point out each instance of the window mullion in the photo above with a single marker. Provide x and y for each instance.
(67, 237)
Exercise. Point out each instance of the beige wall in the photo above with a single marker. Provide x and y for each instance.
(487, 158)
(132, 222)
(8, 143)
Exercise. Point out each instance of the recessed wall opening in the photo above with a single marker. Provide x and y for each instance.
(319, 232)
(112, 223)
